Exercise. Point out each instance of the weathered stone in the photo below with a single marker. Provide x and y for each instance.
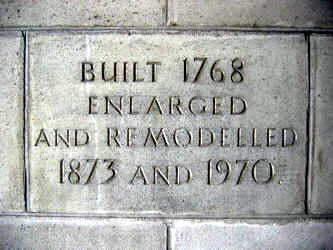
(62, 99)
(252, 235)
(322, 89)
(252, 13)
(82, 13)
(80, 233)
(11, 122)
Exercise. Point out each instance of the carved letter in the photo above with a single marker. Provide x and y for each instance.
(135, 73)
(150, 134)
(224, 136)
(112, 136)
(201, 140)
(129, 137)
(140, 174)
(60, 136)
(187, 179)
(239, 138)
(164, 177)
(153, 103)
(112, 78)
(176, 105)
(76, 137)
(92, 104)
(42, 138)
(289, 137)
(241, 103)
(131, 106)
(86, 71)
(270, 137)
(109, 102)
(203, 109)
(176, 139)
(216, 105)
(254, 138)
(153, 69)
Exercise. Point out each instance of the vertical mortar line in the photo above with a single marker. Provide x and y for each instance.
(170, 13)
(168, 237)
(166, 12)
(25, 121)
(309, 126)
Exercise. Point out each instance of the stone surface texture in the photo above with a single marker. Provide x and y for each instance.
(254, 127)
(252, 235)
(82, 13)
(274, 74)
(252, 13)
(80, 233)
(322, 89)
(11, 122)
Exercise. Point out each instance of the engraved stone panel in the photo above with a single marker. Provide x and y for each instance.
(252, 13)
(82, 13)
(252, 235)
(206, 124)
(322, 89)
(80, 233)
(11, 122)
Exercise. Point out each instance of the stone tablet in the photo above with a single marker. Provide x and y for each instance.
(206, 124)
(322, 89)
(252, 13)
(11, 122)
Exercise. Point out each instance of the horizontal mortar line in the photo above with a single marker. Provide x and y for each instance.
(170, 217)
(170, 28)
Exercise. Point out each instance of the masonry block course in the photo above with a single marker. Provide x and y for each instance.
(80, 233)
(11, 122)
(252, 13)
(85, 13)
(322, 93)
(278, 234)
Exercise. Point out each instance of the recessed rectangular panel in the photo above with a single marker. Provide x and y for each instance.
(210, 124)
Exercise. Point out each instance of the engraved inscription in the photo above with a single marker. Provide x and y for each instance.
(210, 124)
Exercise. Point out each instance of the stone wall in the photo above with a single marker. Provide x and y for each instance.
(166, 124)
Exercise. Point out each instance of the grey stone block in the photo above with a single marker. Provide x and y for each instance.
(265, 179)
(80, 233)
(252, 235)
(322, 89)
(82, 13)
(11, 122)
(252, 13)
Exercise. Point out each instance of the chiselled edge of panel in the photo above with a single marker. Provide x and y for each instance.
(170, 28)
(170, 220)
(135, 31)
(26, 120)
(312, 123)
(150, 216)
